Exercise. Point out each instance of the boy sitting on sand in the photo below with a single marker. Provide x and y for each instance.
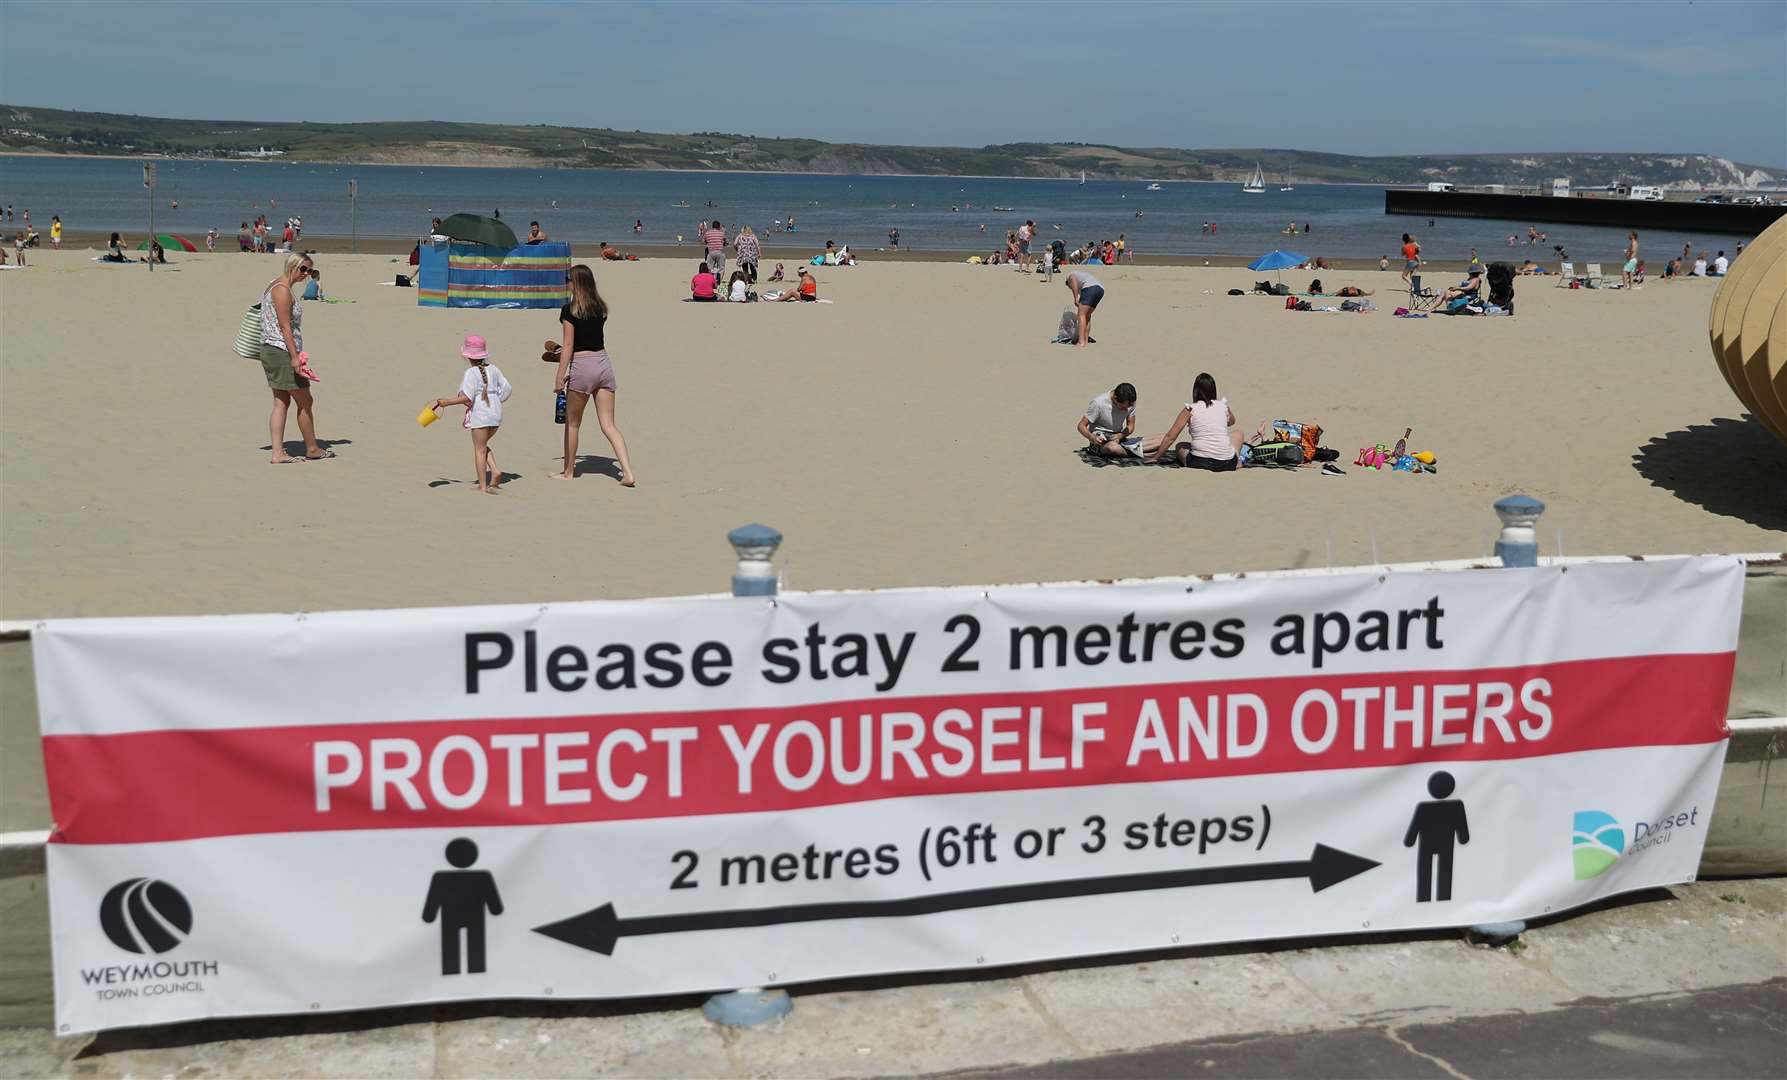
(1109, 424)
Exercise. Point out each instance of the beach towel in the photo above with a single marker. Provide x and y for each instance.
(1100, 461)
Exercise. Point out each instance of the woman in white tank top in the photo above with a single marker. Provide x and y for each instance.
(282, 341)
(1206, 419)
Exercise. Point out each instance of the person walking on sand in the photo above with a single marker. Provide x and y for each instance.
(282, 351)
(1087, 293)
(584, 371)
(482, 391)
(746, 247)
(1631, 267)
(56, 231)
(1411, 259)
(714, 237)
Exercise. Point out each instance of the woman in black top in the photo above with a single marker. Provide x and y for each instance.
(584, 371)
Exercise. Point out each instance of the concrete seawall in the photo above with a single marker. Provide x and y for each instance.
(1578, 210)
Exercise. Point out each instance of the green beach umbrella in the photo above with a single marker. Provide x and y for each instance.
(477, 229)
(170, 243)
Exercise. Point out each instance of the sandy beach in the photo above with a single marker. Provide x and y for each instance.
(918, 430)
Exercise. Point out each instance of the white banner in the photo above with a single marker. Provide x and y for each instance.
(279, 813)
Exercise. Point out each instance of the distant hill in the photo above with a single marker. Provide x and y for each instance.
(433, 142)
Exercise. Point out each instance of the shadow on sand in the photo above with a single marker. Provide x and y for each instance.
(1729, 467)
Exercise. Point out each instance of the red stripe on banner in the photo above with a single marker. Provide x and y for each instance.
(178, 785)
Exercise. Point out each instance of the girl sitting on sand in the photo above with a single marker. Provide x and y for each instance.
(482, 392)
(1206, 420)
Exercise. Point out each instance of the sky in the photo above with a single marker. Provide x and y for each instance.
(1380, 78)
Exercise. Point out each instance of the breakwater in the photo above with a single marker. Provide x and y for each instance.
(1689, 217)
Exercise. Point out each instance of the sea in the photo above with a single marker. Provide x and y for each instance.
(943, 213)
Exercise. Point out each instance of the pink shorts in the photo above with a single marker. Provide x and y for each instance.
(590, 371)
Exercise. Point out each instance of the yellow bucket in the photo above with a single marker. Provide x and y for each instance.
(427, 416)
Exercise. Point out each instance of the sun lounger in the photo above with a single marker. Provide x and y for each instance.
(1566, 273)
(1594, 279)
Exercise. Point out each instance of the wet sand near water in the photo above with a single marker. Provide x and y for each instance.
(919, 430)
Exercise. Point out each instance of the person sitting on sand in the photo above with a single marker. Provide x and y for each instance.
(1670, 269)
(776, 274)
(114, 251)
(156, 254)
(1315, 288)
(1383, 262)
(1206, 419)
(1471, 287)
(610, 253)
(535, 234)
(1109, 424)
(1699, 266)
(313, 289)
(1719, 266)
(701, 286)
(737, 289)
(808, 291)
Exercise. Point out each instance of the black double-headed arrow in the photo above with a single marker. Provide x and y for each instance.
(599, 928)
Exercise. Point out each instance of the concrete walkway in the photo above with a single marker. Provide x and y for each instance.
(1620, 991)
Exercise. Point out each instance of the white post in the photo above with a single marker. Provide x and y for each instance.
(755, 546)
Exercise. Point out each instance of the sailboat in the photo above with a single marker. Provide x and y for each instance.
(1258, 183)
(1082, 177)
(1288, 177)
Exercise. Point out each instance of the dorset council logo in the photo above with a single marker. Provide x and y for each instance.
(144, 915)
(1596, 844)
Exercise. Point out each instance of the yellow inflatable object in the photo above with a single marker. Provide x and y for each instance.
(1425, 457)
(1748, 331)
(974, 260)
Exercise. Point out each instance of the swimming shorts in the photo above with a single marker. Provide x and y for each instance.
(276, 364)
(590, 371)
(1631, 266)
(1412, 264)
(1090, 295)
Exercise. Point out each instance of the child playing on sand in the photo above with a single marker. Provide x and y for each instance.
(482, 392)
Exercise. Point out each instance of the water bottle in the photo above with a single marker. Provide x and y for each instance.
(558, 409)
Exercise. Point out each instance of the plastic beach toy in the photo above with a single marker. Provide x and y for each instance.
(427, 416)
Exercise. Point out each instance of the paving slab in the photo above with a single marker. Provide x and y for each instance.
(1728, 1032)
(904, 1030)
(1174, 999)
(679, 1043)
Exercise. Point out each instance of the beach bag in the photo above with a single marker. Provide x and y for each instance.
(1068, 330)
(248, 335)
(1277, 455)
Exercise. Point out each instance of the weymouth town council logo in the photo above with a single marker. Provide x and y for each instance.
(143, 915)
(1596, 844)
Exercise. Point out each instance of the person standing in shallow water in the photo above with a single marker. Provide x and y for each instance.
(585, 372)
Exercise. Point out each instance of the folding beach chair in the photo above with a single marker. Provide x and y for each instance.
(1566, 273)
(1595, 279)
(1421, 299)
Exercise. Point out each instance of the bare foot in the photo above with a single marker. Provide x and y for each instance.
(629, 481)
(286, 460)
(559, 475)
(492, 490)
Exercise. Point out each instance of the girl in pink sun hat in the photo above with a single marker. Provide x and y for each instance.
(482, 392)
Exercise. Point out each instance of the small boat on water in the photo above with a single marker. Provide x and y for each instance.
(1258, 183)
(1288, 177)
(1153, 187)
(1003, 209)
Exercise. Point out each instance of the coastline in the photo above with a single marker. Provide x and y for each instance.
(585, 251)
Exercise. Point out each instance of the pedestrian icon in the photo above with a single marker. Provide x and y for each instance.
(460, 898)
(1437, 825)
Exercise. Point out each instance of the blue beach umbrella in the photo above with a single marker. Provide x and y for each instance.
(1278, 260)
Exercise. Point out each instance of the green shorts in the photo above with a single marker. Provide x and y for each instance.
(277, 364)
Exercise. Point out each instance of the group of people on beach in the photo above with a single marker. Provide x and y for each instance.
(1109, 428)
(584, 373)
